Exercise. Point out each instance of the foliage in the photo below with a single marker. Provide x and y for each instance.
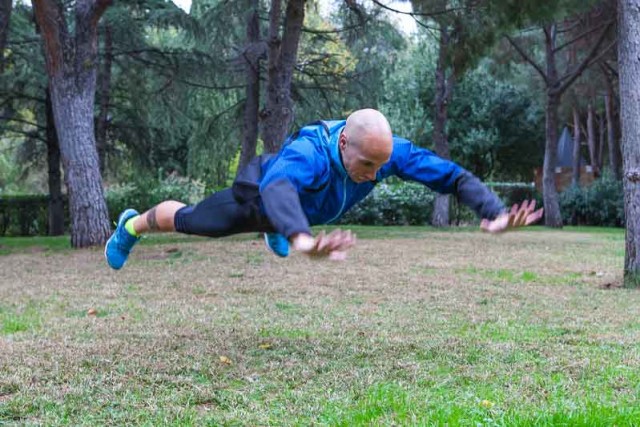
(145, 193)
(27, 215)
(601, 203)
(410, 203)
(496, 128)
(24, 215)
(393, 204)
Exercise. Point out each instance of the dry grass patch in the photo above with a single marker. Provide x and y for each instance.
(443, 327)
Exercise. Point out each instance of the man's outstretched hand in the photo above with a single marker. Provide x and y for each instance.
(518, 216)
(333, 245)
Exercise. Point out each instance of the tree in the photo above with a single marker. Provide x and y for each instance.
(556, 83)
(278, 114)
(252, 54)
(464, 33)
(71, 67)
(26, 102)
(6, 6)
(629, 70)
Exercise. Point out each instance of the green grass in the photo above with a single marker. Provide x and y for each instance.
(418, 327)
(18, 319)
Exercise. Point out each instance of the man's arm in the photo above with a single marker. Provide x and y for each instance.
(444, 176)
(296, 168)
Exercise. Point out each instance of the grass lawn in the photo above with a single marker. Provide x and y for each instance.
(418, 327)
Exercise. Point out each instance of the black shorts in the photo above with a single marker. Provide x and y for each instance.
(221, 214)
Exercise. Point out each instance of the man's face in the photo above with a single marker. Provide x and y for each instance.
(363, 160)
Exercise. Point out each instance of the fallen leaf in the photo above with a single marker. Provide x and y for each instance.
(225, 360)
(486, 404)
(92, 312)
(265, 346)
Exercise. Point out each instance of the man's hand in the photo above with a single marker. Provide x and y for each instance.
(519, 216)
(333, 245)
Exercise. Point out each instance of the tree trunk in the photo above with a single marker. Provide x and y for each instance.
(552, 215)
(601, 140)
(56, 203)
(575, 175)
(444, 86)
(104, 96)
(277, 115)
(629, 71)
(70, 61)
(614, 158)
(6, 7)
(252, 102)
(591, 138)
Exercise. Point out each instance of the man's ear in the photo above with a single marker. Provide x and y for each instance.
(342, 141)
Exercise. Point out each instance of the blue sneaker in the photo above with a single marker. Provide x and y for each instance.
(277, 243)
(121, 242)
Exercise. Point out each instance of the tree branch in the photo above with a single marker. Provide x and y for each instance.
(54, 32)
(573, 75)
(26, 122)
(414, 14)
(578, 37)
(528, 59)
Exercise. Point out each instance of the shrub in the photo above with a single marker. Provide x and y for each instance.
(147, 193)
(393, 204)
(27, 215)
(601, 203)
(24, 215)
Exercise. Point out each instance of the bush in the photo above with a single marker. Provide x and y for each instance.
(393, 204)
(27, 215)
(601, 203)
(410, 203)
(24, 215)
(513, 193)
(146, 193)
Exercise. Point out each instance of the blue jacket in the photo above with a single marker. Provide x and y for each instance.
(306, 184)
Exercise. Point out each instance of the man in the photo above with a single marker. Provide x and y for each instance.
(320, 172)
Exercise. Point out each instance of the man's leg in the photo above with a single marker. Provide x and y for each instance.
(158, 218)
(216, 216)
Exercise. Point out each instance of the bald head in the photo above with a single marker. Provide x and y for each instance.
(366, 144)
(369, 130)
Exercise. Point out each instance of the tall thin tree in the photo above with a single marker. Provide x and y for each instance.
(629, 71)
(556, 84)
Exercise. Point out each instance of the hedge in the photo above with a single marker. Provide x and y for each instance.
(394, 203)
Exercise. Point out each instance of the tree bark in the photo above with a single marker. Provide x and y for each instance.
(614, 156)
(444, 86)
(70, 61)
(591, 138)
(104, 96)
(6, 6)
(252, 102)
(552, 215)
(601, 140)
(56, 203)
(575, 175)
(278, 113)
(629, 72)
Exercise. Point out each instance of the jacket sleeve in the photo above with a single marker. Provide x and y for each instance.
(295, 168)
(444, 176)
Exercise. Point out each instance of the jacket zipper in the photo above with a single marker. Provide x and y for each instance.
(344, 201)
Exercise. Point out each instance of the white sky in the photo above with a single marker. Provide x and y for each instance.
(406, 22)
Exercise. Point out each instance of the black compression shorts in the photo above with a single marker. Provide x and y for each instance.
(221, 215)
